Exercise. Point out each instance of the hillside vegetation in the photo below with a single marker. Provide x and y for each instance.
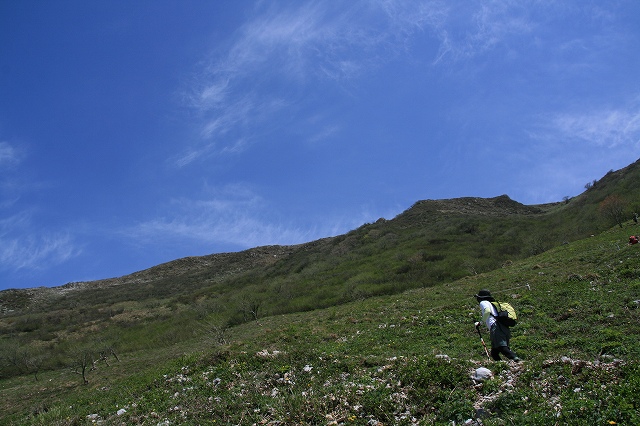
(371, 327)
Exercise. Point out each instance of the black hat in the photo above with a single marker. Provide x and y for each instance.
(484, 295)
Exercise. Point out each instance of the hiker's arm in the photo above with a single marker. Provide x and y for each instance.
(485, 308)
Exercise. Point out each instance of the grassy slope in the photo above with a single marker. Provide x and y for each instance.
(433, 242)
(398, 359)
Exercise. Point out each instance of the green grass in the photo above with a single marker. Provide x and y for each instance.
(396, 359)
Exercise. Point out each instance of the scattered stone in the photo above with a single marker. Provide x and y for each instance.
(265, 354)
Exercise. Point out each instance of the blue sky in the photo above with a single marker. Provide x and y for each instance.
(137, 132)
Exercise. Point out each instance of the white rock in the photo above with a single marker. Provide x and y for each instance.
(482, 373)
(121, 411)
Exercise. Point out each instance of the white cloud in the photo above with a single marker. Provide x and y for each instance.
(572, 148)
(288, 49)
(21, 247)
(9, 155)
(236, 215)
(229, 129)
(466, 31)
(10, 187)
(232, 215)
(324, 133)
(282, 51)
(608, 127)
(210, 96)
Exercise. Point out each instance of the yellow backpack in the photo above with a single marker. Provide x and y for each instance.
(506, 314)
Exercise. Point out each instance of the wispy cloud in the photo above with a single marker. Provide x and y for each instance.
(466, 31)
(9, 155)
(235, 215)
(230, 215)
(22, 247)
(282, 51)
(324, 133)
(607, 127)
(22, 244)
(600, 137)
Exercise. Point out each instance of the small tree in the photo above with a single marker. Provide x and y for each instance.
(537, 244)
(250, 307)
(613, 208)
(216, 330)
(22, 359)
(83, 360)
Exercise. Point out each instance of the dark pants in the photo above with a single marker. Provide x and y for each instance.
(500, 336)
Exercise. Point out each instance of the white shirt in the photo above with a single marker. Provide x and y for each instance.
(489, 313)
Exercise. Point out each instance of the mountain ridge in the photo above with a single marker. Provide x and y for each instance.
(228, 263)
(431, 242)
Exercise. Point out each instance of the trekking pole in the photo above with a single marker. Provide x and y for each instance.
(482, 340)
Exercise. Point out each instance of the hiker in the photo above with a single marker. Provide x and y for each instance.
(500, 333)
(633, 240)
